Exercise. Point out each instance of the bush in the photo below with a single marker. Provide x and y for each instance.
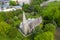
(12, 31)
(50, 27)
(34, 2)
(2, 16)
(47, 33)
(52, 12)
(4, 28)
(27, 8)
(44, 36)
(13, 3)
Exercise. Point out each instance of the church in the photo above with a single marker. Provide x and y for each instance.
(28, 25)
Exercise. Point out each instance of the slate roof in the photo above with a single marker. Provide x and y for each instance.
(4, 0)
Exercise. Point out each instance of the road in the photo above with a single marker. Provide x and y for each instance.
(57, 34)
(45, 3)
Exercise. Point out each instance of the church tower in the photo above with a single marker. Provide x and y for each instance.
(25, 24)
(24, 18)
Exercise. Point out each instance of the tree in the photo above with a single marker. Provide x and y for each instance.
(36, 2)
(4, 28)
(50, 27)
(13, 3)
(44, 36)
(27, 8)
(52, 12)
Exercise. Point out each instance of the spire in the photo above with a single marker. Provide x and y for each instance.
(24, 18)
(25, 25)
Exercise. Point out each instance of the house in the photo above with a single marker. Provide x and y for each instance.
(22, 1)
(4, 4)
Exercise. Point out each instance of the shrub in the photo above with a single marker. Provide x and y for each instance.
(44, 36)
(47, 33)
(13, 3)
(2, 16)
(4, 28)
(27, 8)
(52, 12)
(50, 27)
(34, 2)
(12, 31)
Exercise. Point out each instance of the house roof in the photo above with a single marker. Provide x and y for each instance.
(4, 0)
(13, 0)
